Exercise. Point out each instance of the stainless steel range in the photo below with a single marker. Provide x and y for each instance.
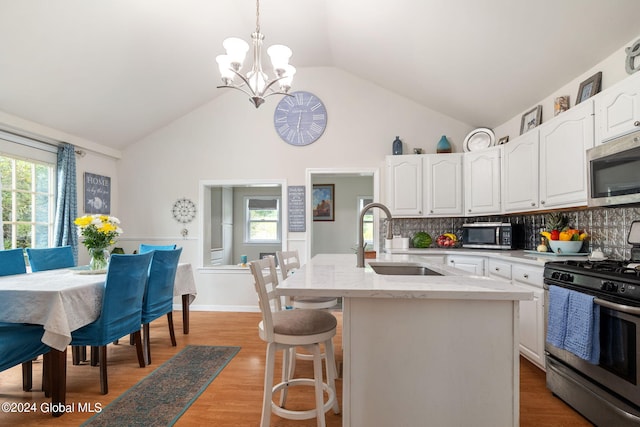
(606, 393)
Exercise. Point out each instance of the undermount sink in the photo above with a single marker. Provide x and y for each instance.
(402, 269)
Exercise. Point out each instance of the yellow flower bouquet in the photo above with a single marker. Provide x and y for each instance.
(99, 232)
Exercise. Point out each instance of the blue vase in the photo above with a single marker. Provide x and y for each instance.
(443, 145)
(397, 146)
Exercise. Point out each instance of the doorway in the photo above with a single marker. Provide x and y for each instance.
(339, 235)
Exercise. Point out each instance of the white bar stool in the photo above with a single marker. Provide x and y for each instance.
(287, 329)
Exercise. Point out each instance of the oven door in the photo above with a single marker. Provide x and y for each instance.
(619, 352)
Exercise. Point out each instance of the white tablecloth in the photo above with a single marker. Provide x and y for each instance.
(185, 283)
(60, 300)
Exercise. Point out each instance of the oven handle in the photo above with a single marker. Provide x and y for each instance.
(619, 307)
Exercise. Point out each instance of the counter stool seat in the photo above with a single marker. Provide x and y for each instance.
(285, 330)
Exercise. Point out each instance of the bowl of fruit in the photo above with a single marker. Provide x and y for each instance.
(561, 238)
(447, 240)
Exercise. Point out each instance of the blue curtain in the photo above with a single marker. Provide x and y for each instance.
(66, 204)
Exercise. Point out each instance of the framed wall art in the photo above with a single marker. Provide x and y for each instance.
(97, 194)
(589, 87)
(531, 119)
(323, 202)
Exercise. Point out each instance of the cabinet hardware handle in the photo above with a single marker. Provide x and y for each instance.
(431, 211)
(533, 203)
(526, 276)
(469, 210)
(542, 202)
(636, 123)
(497, 269)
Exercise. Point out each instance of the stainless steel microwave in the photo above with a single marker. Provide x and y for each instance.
(614, 172)
(492, 235)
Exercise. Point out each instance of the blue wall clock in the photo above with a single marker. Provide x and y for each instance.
(300, 119)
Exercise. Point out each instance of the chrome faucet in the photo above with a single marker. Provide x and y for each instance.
(360, 231)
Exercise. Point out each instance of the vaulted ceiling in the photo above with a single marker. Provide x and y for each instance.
(113, 71)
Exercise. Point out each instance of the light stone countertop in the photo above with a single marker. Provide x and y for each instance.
(337, 275)
(505, 255)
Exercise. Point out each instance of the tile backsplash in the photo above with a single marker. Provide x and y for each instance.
(607, 227)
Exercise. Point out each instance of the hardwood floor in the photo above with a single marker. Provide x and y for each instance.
(234, 397)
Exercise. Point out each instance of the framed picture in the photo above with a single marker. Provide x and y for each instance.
(589, 87)
(323, 202)
(531, 119)
(97, 194)
(560, 104)
(503, 140)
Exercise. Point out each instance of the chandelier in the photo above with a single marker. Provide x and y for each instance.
(256, 83)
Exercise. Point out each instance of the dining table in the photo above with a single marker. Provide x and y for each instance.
(62, 301)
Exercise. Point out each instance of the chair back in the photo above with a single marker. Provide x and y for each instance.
(266, 283)
(20, 343)
(144, 248)
(12, 262)
(121, 312)
(158, 296)
(288, 261)
(41, 259)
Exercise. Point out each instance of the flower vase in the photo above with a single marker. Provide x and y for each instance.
(99, 258)
(443, 145)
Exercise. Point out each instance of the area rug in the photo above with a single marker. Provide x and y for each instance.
(165, 394)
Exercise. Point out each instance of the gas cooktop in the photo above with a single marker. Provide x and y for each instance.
(620, 279)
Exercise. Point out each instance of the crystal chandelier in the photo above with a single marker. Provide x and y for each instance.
(256, 83)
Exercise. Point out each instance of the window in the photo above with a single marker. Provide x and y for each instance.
(367, 221)
(262, 219)
(27, 188)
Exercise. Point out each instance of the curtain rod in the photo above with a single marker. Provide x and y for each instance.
(33, 141)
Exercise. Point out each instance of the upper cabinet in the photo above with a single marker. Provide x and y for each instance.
(521, 173)
(564, 142)
(404, 185)
(618, 109)
(442, 184)
(481, 171)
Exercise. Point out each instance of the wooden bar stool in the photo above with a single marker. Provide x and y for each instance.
(286, 329)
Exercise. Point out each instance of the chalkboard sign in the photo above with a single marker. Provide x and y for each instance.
(97, 194)
(296, 202)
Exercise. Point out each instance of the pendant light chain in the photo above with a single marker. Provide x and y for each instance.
(257, 16)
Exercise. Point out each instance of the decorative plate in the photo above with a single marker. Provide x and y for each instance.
(479, 139)
(184, 210)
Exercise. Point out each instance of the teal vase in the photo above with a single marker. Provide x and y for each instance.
(397, 146)
(443, 145)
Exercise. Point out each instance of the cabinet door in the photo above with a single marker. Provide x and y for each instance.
(404, 185)
(618, 109)
(443, 184)
(482, 181)
(532, 326)
(471, 264)
(563, 168)
(520, 173)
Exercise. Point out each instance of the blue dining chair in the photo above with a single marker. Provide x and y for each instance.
(12, 262)
(158, 296)
(121, 312)
(20, 344)
(144, 248)
(41, 259)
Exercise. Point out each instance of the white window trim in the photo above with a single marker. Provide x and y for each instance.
(247, 223)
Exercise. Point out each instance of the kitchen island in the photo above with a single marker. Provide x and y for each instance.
(439, 350)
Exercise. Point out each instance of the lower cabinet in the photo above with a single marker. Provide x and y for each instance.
(472, 264)
(532, 334)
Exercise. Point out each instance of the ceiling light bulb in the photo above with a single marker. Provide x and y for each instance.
(279, 55)
(287, 79)
(224, 65)
(236, 50)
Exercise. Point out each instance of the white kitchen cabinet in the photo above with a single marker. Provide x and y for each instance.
(563, 145)
(404, 185)
(521, 173)
(442, 184)
(469, 263)
(532, 333)
(499, 269)
(618, 109)
(481, 171)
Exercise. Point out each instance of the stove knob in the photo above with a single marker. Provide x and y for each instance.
(555, 275)
(566, 277)
(609, 286)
